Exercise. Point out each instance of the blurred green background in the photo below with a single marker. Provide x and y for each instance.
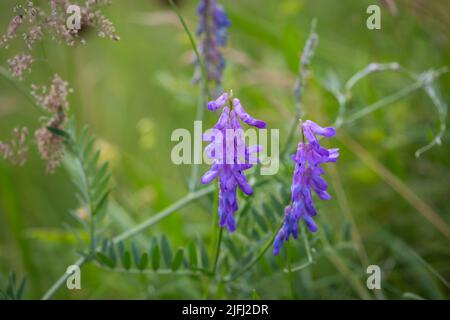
(135, 92)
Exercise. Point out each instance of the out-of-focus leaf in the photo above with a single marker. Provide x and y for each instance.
(203, 254)
(166, 251)
(156, 258)
(143, 261)
(193, 259)
(104, 259)
(177, 260)
(126, 260)
(135, 253)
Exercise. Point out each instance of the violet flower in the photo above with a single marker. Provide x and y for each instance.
(226, 144)
(212, 31)
(307, 177)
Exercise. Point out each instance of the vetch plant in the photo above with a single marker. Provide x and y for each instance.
(307, 177)
(225, 149)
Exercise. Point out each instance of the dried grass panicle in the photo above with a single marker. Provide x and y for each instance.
(38, 20)
(54, 100)
(16, 150)
(19, 64)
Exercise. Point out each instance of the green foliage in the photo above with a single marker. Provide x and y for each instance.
(11, 288)
(90, 178)
(135, 259)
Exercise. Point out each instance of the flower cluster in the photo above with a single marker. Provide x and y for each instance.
(37, 20)
(53, 100)
(212, 30)
(230, 155)
(20, 63)
(307, 176)
(16, 150)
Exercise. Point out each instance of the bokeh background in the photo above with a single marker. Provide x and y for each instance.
(135, 92)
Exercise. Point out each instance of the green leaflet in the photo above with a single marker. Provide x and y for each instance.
(12, 290)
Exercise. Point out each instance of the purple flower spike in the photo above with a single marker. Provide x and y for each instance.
(212, 33)
(229, 166)
(307, 178)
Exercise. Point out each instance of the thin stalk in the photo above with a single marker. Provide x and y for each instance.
(217, 241)
(193, 180)
(308, 252)
(217, 252)
(255, 260)
(193, 44)
(289, 268)
(299, 88)
(371, 68)
(204, 91)
(190, 197)
(151, 271)
(420, 83)
(383, 102)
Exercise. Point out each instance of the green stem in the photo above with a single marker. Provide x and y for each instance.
(151, 271)
(194, 46)
(307, 249)
(164, 213)
(205, 90)
(217, 252)
(193, 180)
(383, 102)
(420, 83)
(290, 274)
(305, 60)
(255, 260)
(216, 243)
(288, 143)
(306, 243)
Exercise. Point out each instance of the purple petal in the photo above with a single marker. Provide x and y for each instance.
(333, 154)
(243, 184)
(231, 223)
(310, 223)
(222, 123)
(210, 175)
(278, 242)
(315, 128)
(219, 102)
(324, 195)
(246, 117)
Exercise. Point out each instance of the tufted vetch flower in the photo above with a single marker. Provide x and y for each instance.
(230, 155)
(307, 178)
(212, 32)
